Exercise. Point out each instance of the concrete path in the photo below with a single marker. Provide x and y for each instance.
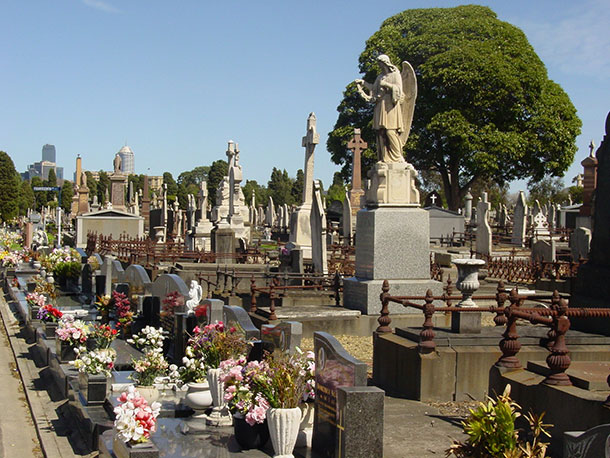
(18, 436)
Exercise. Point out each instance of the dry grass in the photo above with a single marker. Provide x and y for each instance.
(360, 347)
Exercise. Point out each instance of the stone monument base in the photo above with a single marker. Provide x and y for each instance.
(363, 295)
(300, 230)
(392, 184)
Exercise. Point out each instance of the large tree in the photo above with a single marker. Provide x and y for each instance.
(27, 199)
(218, 170)
(280, 187)
(9, 188)
(485, 107)
(67, 192)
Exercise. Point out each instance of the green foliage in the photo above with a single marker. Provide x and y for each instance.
(91, 184)
(194, 177)
(103, 184)
(9, 188)
(27, 199)
(280, 187)
(297, 187)
(67, 269)
(548, 189)
(67, 192)
(491, 432)
(51, 181)
(39, 196)
(172, 186)
(575, 193)
(218, 170)
(485, 107)
(260, 192)
(137, 182)
(336, 192)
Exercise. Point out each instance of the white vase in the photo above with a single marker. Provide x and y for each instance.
(150, 393)
(220, 415)
(283, 430)
(198, 397)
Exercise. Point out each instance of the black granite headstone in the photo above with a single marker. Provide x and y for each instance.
(238, 317)
(335, 368)
(100, 285)
(87, 280)
(285, 336)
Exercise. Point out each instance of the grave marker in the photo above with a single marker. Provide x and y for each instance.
(285, 336)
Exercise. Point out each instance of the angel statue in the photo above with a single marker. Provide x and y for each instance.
(195, 295)
(394, 94)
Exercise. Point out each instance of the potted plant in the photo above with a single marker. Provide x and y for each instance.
(104, 305)
(215, 343)
(135, 421)
(35, 300)
(50, 316)
(70, 334)
(242, 391)
(193, 373)
(124, 314)
(101, 337)
(152, 364)
(94, 369)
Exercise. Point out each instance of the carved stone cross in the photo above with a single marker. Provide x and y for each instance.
(357, 146)
(310, 140)
(433, 199)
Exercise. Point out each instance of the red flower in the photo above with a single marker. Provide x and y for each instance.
(201, 311)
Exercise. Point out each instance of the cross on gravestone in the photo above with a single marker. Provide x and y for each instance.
(357, 145)
(433, 199)
(309, 142)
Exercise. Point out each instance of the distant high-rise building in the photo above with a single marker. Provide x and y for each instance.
(128, 162)
(48, 153)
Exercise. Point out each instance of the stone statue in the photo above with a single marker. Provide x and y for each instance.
(195, 296)
(117, 163)
(83, 180)
(394, 94)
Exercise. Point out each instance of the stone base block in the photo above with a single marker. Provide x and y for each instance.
(466, 323)
(363, 295)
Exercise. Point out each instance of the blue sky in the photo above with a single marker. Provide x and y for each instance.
(177, 80)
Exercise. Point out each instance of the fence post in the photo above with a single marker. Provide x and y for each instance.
(426, 341)
(501, 298)
(337, 286)
(559, 359)
(272, 315)
(510, 344)
(384, 319)
(252, 295)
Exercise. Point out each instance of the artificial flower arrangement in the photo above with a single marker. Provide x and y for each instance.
(60, 256)
(102, 335)
(122, 307)
(35, 299)
(152, 364)
(103, 304)
(215, 343)
(95, 362)
(135, 420)
(45, 288)
(94, 263)
(10, 258)
(172, 301)
(9, 238)
(74, 332)
(201, 310)
(148, 337)
(49, 314)
(193, 369)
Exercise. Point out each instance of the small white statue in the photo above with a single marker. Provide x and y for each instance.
(195, 296)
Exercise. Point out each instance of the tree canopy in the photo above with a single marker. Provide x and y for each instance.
(485, 109)
(9, 188)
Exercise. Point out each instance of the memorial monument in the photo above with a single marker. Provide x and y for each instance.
(393, 232)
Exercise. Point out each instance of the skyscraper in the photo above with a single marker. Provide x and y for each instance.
(128, 165)
(48, 153)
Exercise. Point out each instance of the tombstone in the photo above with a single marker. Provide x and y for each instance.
(270, 213)
(107, 272)
(519, 221)
(433, 200)
(347, 227)
(593, 443)
(544, 250)
(260, 216)
(285, 336)
(168, 283)
(238, 317)
(151, 309)
(345, 408)
(580, 243)
(138, 279)
(483, 237)
(318, 232)
(87, 281)
(300, 225)
(214, 310)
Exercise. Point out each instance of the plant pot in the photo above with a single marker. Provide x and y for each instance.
(307, 414)
(283, 430)
(126, 332)
(65, 351)
(34, 311)
(249, 437)
(198, 397)
(93, 388)
(150, 393)
(49, 329)
(220, 415)
(127, 450)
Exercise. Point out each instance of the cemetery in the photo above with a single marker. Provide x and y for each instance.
(145, 328)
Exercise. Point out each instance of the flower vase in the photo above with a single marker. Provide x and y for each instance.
(150, 393)
(220, 415)
(126, 331)
(249, 436)
(34, 311)
(64, 350)
(49, 329)
(128, 450)
(283, 429)
(198, 397)
(306, 427)
(105, 316)
(93, 388)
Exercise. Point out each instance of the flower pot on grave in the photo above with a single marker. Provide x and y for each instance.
(49, 329)
(65, 351)
(105, 316)
(249, 436)
(150, 393)
(283, 430)
(34, 311)
(93, 388)
(128, 450)
(126, 331)
(220, 415)
(306, 427)
(198, 397)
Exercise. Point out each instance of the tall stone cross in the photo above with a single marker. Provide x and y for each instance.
(235, 177)
(591, 148)
(310, 140)
(357, 146)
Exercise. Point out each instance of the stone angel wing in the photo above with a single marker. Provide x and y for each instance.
(409, 87)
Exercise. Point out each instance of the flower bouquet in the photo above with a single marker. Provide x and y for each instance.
(146, 370)
(35, 300)
(124, 314)
(50, 316)
(148, 337)
(70, 334)
(134, 423)
(10, 259)
(172, 301)
(104, 305)
(94, 369)
(102, 336)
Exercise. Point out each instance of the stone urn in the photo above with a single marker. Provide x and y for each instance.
(148, 392)
(198, 397)
(283, 430)
(468, 279)
(220, 415)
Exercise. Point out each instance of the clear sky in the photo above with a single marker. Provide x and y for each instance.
(175, 80)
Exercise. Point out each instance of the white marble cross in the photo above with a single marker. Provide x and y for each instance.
(433, 199)
(309, 142)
